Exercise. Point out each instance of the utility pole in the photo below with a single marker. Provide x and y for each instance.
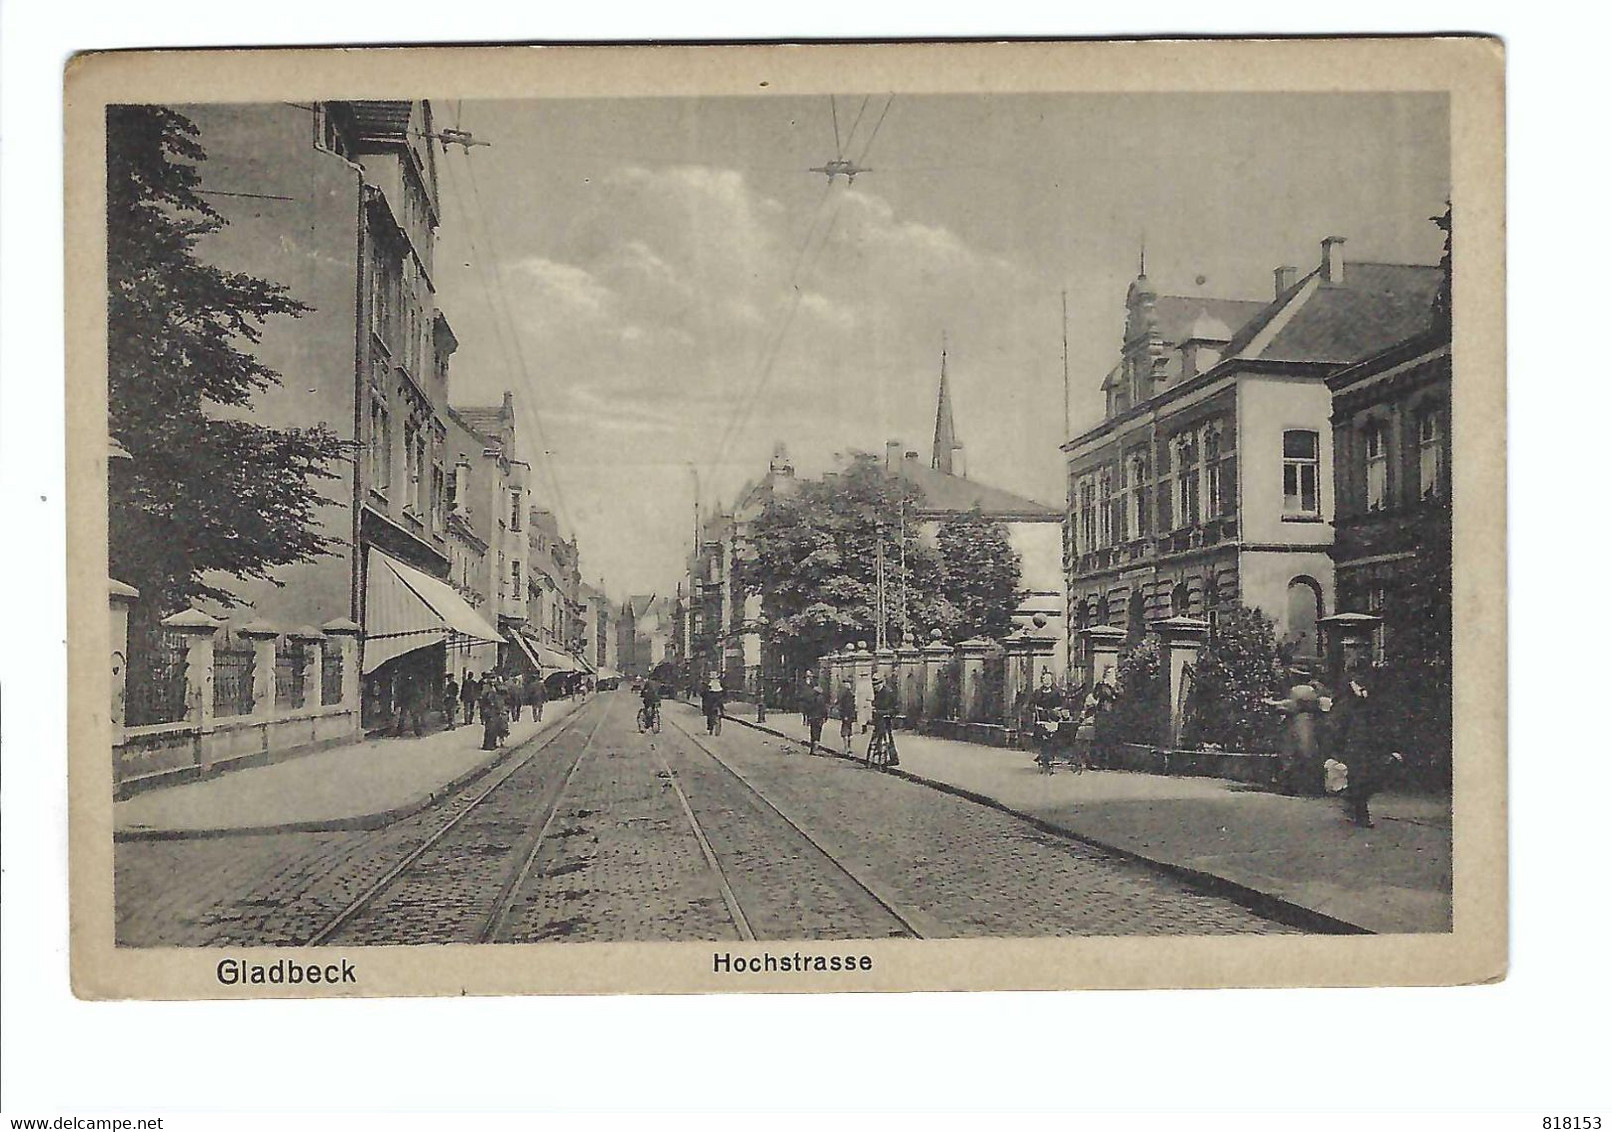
(1065, 366)
(906, 627)
(878, 558)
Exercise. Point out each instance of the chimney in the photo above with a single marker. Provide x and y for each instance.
(1285, 277)
(910, 454)
(1332, 260)
(892, 455)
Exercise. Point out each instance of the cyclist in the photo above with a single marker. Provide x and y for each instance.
(1049, 714)
(711, 699)
(886, 705)
(650, 716)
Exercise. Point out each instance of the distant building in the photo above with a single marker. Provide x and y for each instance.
(1034, 529)
(1209, 480)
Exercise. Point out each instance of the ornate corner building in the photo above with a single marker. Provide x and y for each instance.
(1210, 480)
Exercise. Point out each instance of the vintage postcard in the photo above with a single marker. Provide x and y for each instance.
(769, 518)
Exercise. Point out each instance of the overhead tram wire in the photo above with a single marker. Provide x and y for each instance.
(753, 398)
(503, 329)
(747, 407)
(770, 344)
(501, 291)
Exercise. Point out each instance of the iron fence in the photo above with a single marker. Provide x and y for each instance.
(234, 670)
(288, 673)
(155, 687)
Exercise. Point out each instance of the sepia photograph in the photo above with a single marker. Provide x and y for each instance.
(821, 520)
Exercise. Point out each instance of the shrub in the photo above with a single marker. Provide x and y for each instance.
(1237, 671)
(1138, 712)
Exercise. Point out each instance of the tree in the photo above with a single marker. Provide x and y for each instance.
(1137, 713)
(201, 494)
(812, 556)
(980, 573)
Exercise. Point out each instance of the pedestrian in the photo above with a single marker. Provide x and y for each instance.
(410, 706)
(886, 706)
(711, 700)
(494, 713)
(535, 694)
(814, 710)
(450, 701)
(517, 696)
(470, 695)
(1301, 767)
(846, 706)
(1048, 713)
(1360, 742)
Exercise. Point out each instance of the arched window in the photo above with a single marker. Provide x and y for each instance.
(1180, 600)
(1303, 612)
(1376, 445)
(1136, 615)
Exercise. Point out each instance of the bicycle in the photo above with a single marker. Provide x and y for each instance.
(882, 746)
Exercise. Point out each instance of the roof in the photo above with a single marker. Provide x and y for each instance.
(945, 493)
(1176, 314)
(1377, 304)
(488, 420)
(639, 604)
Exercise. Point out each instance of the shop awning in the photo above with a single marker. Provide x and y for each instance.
(518, 639)
(406, 609)
(549, 658)
(583, 665)
(608, 673)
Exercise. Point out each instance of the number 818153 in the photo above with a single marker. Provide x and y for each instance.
(1571, 1123)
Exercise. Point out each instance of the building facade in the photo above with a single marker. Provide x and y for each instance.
(1209, 480)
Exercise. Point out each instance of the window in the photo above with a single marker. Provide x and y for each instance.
(1187, 478)
(1430, 453)
(1301, 459)
(414, 469)
(1214, 499)
(515, 508)
(439, 497)
(1087, 528)
(515, 580)
(1377, 602)
(1137, 525)
(1376, 466)
(380, 443)
(1105, 508)
(1180, 600)
(1303, 615)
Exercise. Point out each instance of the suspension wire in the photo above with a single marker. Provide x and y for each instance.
(501, 289)
(850, 138)
(500, 335)
(767, 348)
(754, 399)
(834, 113)
(876, 126)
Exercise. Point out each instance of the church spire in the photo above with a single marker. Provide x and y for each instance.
(946, 445)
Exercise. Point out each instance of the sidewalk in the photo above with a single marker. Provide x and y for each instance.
(362, 785)
(1301, 852)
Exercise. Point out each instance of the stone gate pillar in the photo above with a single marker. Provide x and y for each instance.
(197, 629)
(909, 683)
(937, 654)
(313, 691)
(262, 635)
(1180, 639)
(120, 598)
(345, 632)
(973, 653)
(1102, 646)
(862, 681)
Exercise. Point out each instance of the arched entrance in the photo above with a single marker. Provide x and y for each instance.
(1303, 613)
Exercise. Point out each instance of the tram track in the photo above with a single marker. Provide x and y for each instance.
(909, 922)
(362, 916)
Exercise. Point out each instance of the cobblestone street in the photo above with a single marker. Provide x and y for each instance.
(597, 832)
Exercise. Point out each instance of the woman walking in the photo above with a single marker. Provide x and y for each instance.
(494, 713)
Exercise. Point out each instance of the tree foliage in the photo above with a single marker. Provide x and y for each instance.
(812, 556)
(1237, 670)
(203, 491)
(980, 573)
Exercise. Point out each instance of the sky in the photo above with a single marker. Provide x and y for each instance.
(669, 292)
